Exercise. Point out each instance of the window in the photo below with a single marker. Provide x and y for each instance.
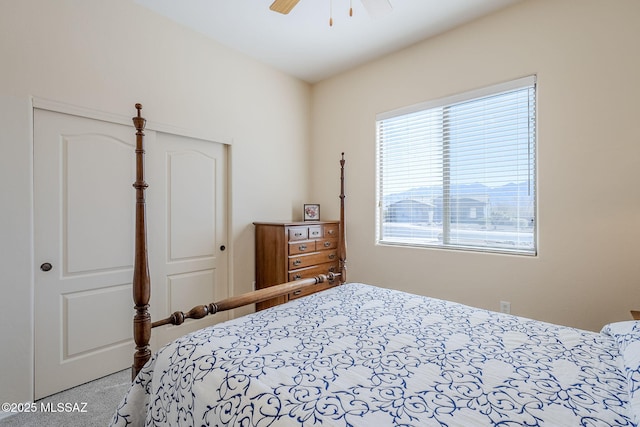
(459, 172)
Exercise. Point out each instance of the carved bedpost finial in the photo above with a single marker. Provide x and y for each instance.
(139, 122)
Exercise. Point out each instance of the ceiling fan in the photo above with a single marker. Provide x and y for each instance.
(375, 8)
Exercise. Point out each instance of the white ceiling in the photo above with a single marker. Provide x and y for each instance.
(304, 45)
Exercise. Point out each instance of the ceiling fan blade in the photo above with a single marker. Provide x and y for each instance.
(377, 8)
(283, 6)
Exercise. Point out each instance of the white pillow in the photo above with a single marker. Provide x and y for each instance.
(627, 336)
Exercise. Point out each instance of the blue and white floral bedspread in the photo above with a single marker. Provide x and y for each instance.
(358, 355)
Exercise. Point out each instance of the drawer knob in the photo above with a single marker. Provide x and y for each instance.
(302, 247)
(327, 244)
(298, 292)
(297, 277)
(332, 232)
(298, 234)
(297, 262)
(332, 256)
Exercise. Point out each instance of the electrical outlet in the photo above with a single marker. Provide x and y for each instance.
(505, 307)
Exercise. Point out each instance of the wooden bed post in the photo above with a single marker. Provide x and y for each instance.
(141, 282)
(342, 231)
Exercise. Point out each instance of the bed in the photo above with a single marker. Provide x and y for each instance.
(362, 355)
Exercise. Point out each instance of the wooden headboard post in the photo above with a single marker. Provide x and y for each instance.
(342, 230)
(141, 281)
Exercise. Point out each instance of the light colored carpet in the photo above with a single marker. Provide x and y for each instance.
(101, 396)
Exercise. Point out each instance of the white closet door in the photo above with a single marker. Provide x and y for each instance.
(84, 230)
(83, 201)
(189, 221)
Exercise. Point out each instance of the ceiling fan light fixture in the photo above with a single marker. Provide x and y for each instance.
(375, 8)
(283, 6)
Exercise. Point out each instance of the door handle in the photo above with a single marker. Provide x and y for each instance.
(46, 266)
(223, 247)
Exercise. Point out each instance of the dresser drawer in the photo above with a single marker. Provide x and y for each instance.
(330, 230)
(325, 244)
(305, 273)
(315, 232)
(308, 291)
(300, 261)
(298, 233)
(302, 247)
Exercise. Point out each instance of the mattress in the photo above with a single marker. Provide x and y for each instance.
(360, 355)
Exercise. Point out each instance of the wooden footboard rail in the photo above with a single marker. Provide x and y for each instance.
(142, 284)
(200, 311)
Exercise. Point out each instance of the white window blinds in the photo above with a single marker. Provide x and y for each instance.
(460, 172)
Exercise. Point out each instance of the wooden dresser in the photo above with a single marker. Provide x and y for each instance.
(287, 251)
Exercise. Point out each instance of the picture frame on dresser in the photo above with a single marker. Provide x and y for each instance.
(311, 212)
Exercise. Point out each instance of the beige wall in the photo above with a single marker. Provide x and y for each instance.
(585, 54)
(106, 56)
